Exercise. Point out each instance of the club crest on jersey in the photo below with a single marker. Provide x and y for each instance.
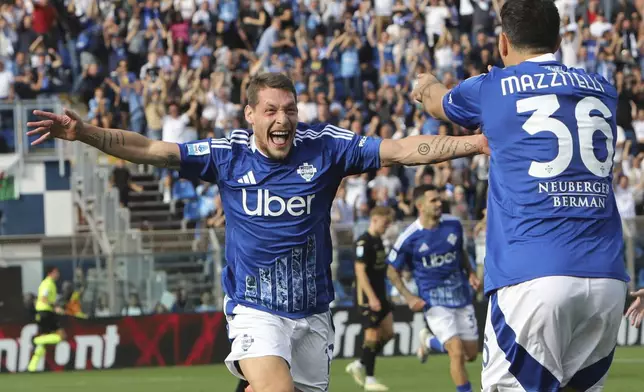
(197, 149)
(423, 248)
(452, 238)
(307, 171)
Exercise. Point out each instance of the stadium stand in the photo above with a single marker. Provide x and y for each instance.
(176, 70)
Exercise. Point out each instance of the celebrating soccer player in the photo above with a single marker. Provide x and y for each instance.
(432, 248)
(277, 181)
(554, 266)
(371, 298)
(49, 330)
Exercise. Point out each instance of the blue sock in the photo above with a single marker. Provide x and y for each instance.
(464, 388)
(435, 345)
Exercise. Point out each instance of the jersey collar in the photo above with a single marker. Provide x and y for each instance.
(544, 58)
(253, 146)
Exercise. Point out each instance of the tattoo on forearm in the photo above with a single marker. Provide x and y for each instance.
(448, 145)
(435, 141)
(440, 144)
(94, 139)
(104, 140)
(171, 160)
(469, 147)
(110, 133)
(455, 149)
(423, 149)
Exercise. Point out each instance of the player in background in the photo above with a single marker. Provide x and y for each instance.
(432, 248)
(554, 266)
(372, 299)
(49, 330)
(277, 181)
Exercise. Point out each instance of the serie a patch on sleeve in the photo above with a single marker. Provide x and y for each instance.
(197, 149)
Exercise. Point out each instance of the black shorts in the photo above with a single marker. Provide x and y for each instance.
(47, 322)
(371, 319)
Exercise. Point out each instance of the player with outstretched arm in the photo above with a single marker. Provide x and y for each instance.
(277, 181)
(432, 248)
(554, 266)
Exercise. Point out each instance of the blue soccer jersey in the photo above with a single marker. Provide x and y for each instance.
(551, 208)
(278, 242)
(434, 257)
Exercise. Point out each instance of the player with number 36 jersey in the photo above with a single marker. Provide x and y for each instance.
(554, 266)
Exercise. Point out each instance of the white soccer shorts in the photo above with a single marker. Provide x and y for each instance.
(550, 333)
(305, 344)
(446, 323)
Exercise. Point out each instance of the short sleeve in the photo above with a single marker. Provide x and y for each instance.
(354, 153)
(401, 253)
(462, 104)
(361, 250)
(199, 158)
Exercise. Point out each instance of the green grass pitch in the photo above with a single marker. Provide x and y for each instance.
(401, 374)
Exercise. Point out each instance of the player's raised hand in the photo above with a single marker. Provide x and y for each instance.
(422, 87)
(65, 126)
(635, 312)
(416, 304)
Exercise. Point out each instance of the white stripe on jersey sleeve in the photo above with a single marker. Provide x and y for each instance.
(340, 130)
(242, 133)
(329, 130)
(411, 229)
(220, 143)
(301, 137)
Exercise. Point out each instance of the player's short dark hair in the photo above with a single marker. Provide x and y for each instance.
(50, 268)
(420, 191)
(531, 25)
(268, 80)
(382, 211)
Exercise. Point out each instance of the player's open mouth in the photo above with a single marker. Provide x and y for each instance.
(279, 138)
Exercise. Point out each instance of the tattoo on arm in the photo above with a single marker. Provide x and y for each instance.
(171, 161)
(104, 139)
(469, 147)
(94, 139)
(423, 149)
(455, 149)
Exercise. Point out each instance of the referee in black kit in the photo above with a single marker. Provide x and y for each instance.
(372, 299)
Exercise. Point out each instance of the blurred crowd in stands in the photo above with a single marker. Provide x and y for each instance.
(176, 70)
